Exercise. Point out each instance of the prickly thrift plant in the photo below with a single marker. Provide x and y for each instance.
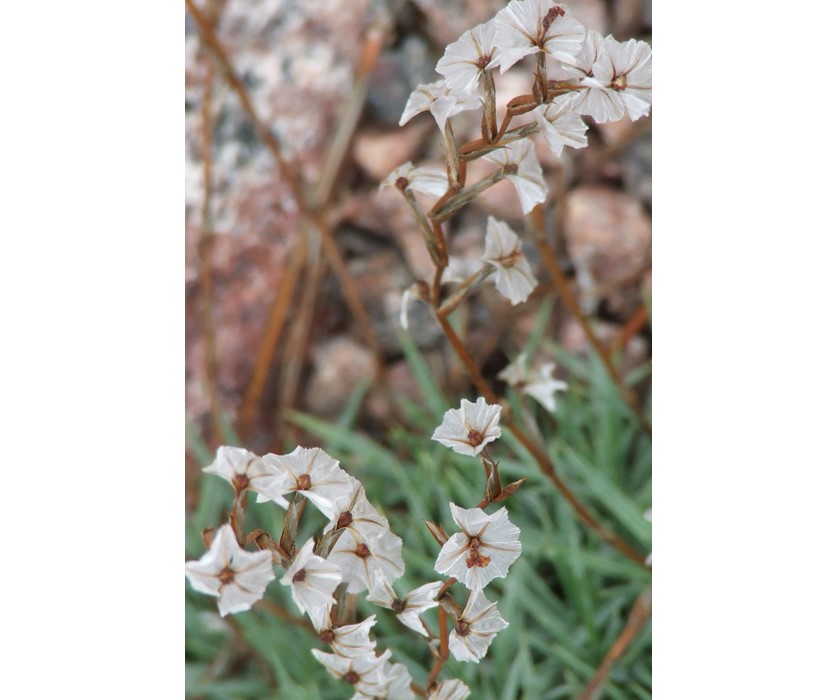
(356, 553)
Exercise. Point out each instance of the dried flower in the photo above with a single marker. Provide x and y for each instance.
(467, 58)
(314, 474)
(362, 672)
(245, 471)
(529, 26)
(313, 581)
(408, 608)
(539, 384)
(475, 629)
(484, 550)
(521, 167)
(452, 689)
(441, 100)
(419, 179)
(238, 578)
(348, 640)
(513, 275)
(560, 123)
(361, 560)
(468, 429)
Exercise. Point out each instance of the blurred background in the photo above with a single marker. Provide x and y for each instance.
(292, 329)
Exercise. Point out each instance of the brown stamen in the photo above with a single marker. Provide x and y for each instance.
(303, 482)
(240, 482)
(327, 637)
(299, 576)
(398, 605)
(344, 519)
(475, 558)
(550, 17)
(363, 551)
(462, 628)
(474, 437)
(226, 576)
(619, 83)
(352, 677)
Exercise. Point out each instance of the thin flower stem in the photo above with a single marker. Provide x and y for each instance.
(463, 197)
(454, 299)
(540, 457)
(443, 649)
(452, 157)
(565, 290)
(205, 246)
(490, 115)
(640, 612)
(270, 339)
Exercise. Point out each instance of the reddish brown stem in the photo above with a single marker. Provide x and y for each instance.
(640, 612)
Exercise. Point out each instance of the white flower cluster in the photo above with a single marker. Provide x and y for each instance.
(587, 75)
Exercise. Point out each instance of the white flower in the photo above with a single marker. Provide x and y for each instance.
(356, 513)
(398, 680)
(361, 560)
(513, 275)
(522, 169)
(442, 101)
(484, 550)
(314, 474)
(530, 26)
(468, 429)
(617, 78)
(475, 629)
(419, 179)
(349, 640)
(238, 578)
(539, 384)
(648, 516)
(245, 471)
(313, 581)
(466, 59)
(452, 689)
(408, 608)
(364, 673)
(561, 124)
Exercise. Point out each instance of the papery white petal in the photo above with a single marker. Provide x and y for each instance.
(481, 418)
(561, 124)
(398, 680)
(318, 579)
(465, 59)
(452, 689)
(484, 622)
(450, 102)
(354, 640)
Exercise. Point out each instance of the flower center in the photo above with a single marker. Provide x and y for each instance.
(352, 677)
(475, 558)
(299, 576)
(303, 482)
(619, 83)
(510, 260)
(462, 628)
(226, 576)
(344, 519)
(327, 637)
(474, 437)
(399, 605)
(240, 482)
(363, 551)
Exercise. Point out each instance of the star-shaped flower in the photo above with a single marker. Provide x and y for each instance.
(364, 673)
(468, 429)
(475, 629)
(616, 78)
(419, 179)
(238, 578)
(468, 57)
(354, 512)
(484, 550)
(529, 26)
(452, 689)
(362, 560)
(313, 581)
(539, 384)
(314, 474)
(408, 608)
(348, 640)
(561, 124)
(441, 100)
(521, 167)
(397, 679)
(245, 471)
(513, 274)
